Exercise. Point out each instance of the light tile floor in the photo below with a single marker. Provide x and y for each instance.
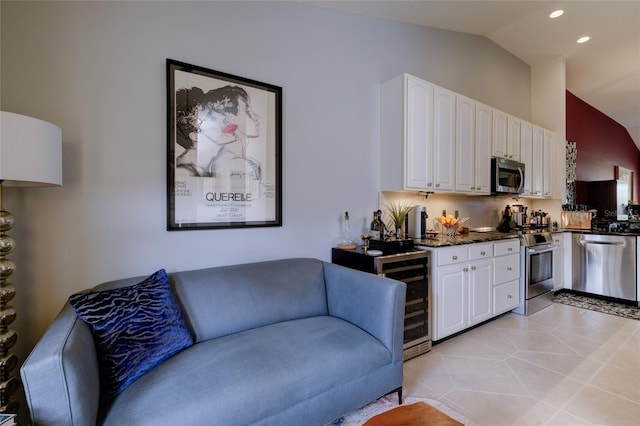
(561, 366)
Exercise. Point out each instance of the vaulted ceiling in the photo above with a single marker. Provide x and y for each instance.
(604, 72)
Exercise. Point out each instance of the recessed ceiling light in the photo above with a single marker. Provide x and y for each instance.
(556, 13)
(583, 39)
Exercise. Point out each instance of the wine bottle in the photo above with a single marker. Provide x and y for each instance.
(374, 229)
(383, 228)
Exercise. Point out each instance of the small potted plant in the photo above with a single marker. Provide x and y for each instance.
(398, 212)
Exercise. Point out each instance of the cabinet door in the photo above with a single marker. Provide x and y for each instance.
(538, 156)
(480, 291)
(506, 297)
(558, 269)
(450, 297)
(499, 134)
(547, 163)
(513, 138)
(465, 144)
(484, 135)
(419, 136)
(526, 155)
(444, 126)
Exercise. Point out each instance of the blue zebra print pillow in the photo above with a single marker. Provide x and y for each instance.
(135, 328)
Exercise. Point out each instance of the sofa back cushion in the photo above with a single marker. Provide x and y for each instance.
(229, 299)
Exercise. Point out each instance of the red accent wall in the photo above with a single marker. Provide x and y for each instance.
(602, 143)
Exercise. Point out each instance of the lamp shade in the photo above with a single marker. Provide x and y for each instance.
(30, 151)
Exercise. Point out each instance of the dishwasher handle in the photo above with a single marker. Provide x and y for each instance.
(583, 242)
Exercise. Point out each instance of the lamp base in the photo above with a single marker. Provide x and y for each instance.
(9, 385)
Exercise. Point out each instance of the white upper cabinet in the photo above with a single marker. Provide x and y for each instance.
(473, 139)
(419, 134)
(537, 160)
(417, 131)
(444, 138)
(406, 134)
(499, 143)
(506, 136)
(484, 134)
(547, 150)
(513, 138)
(465, 143)
(526, 156)
(435, 140)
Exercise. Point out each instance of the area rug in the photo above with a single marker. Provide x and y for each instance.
(427, 412)
(599, 305)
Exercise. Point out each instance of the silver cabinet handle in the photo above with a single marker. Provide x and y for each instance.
(473, 268)
(509, 296)
(437, 185)
(454, 257)
(430, 184)
(465, 269)
(483, 253)
(508, 268)
(510, 249)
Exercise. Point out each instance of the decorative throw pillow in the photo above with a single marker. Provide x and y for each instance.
(135, 328)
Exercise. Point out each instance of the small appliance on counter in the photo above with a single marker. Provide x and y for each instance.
(519, 215)
(416, 223)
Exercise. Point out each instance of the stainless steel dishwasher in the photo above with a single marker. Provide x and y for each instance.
(605, 265)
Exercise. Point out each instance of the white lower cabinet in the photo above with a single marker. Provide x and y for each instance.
(506, 297)
(473, 283)
(558, 261)
(479, 291)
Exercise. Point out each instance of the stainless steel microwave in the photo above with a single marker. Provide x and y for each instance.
(507, 176)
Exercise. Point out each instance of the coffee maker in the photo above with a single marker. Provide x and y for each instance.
(519, 215)
(417, 223)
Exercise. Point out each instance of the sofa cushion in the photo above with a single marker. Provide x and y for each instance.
(242, 378)
(228, 299)
(135, 328)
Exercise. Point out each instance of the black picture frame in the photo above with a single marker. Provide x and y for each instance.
(224, 150)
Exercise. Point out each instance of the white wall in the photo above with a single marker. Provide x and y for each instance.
(97, 70)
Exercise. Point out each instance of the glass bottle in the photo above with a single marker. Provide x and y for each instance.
(346, 240)
(374, 230)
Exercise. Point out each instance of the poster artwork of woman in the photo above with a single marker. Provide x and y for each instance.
(215, 128)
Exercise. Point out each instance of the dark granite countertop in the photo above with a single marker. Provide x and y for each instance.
(470, 238)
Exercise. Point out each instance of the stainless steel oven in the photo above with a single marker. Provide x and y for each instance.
(536, 272)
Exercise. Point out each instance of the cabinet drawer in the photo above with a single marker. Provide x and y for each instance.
(506, 268)
(480, 251)
(447, 256)
(557, 240)
(506, 297)
(506, 247)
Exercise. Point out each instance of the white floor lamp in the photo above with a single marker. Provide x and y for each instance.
(30, 155)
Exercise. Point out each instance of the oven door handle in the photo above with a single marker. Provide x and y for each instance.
(545, 249)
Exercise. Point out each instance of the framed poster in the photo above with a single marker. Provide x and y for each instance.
(224, 150)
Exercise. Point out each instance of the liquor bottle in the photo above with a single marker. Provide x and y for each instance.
(374, 231)
(383, 228)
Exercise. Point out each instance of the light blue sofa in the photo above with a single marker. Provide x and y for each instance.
(284, 342)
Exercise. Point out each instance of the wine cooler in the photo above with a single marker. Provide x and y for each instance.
(411, 268)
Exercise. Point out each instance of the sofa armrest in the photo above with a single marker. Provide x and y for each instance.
(373, 303)
(61, 377)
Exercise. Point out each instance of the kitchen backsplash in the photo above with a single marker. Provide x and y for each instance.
(482, 210)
